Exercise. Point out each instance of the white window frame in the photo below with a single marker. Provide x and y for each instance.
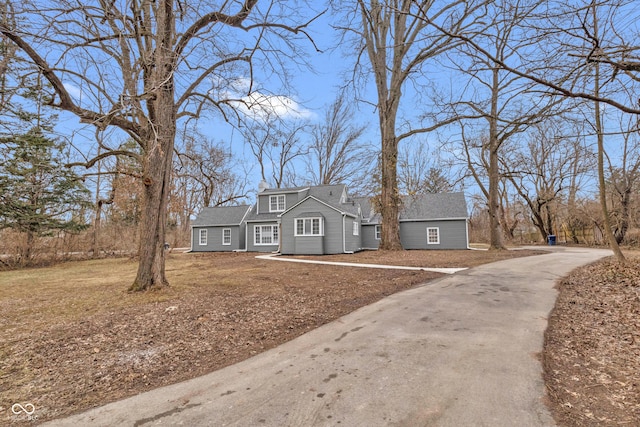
(277, 203)
(265, 235)
(226, 236)
(378, 231)
(356, 228)
(202, 237)
(308, 227)
(437, 235)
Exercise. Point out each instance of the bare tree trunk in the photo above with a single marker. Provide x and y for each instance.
(157, 165)
(611, 238)
(27, 254)
(95, 246)
(495, 234)
(153, 222)
(623, 222)
(389, 197)
(95, 249)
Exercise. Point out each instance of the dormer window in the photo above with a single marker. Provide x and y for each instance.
(277, 203)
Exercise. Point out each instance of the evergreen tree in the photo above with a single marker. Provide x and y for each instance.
(38, 194)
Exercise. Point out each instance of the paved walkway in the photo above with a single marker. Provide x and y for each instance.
(443, 270)
(462, 350)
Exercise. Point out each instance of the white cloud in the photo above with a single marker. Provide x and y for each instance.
(263, 107)
(260, 106)
(74, 91)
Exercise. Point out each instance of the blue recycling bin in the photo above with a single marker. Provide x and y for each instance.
(551, 239)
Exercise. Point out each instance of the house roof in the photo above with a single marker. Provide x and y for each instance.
(221, 215)
(265, 216)
(434, 206)
(422, 207)
(334, 196)
(284, 190)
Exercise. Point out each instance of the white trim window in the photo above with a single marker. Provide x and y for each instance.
(265, 235)
(356, 228)
(202, 241)
(378, 232)
(309, 227)
(277, 203)
(226, 236)
(433, 235)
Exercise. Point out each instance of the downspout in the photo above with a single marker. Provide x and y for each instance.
(466, 231)
(279, 237)
(344, 238)
(246, 236)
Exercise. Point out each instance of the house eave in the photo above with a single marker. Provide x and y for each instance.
(215, 225)
(276, 191)
(321, 202)
(462, 218)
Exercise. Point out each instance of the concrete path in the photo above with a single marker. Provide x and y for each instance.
(459, 351)
(443, 270)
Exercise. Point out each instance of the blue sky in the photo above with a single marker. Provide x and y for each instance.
(312, 92)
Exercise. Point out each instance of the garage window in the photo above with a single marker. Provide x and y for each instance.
(433, 235)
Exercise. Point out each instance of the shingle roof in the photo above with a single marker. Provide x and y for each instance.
(422, 207)
(221, 215)
(335, 196)
(265, 216)
(434, 206)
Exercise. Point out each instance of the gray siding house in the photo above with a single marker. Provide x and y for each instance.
(427, 221)
(319, 220)
(219, 229)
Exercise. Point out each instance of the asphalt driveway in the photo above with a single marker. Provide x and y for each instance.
(459, 351)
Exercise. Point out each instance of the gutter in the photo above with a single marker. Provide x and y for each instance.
(344, 239)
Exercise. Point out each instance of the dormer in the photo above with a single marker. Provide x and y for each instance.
(274, 201)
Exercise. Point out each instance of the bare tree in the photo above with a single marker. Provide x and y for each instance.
(205, 174)
(598, 85)
(276, 145)
(567, 45)
(206, 170)
(587, 51)
(152, 63)
(543, 172)
(503, 104)
(511, 211)
(623, 181)
(12, 71)
(397, 39)
(421, 171)
(336, 153)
